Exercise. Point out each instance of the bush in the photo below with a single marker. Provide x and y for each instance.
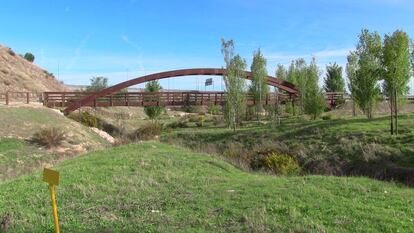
(148, 131)
(11, 52)
(85, 118)
(214, 109)
(200, 121)
(278, 163)
(177, 124)
(326, 117)
(282, 164)
(29, 57)
(192, 109)
(49, 137)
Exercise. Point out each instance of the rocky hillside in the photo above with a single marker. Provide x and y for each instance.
(17, 74)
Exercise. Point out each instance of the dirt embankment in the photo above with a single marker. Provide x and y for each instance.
(17, 74)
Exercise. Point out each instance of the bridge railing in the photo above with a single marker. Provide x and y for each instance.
(20, 97)
(63, 99)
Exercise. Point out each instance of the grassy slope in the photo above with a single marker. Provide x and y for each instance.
(17, 156)
(157, 187)
(349, 139)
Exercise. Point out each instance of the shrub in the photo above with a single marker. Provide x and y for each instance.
(29, 57)
(178, 124)
(49, 137)
(85, 118)
(153, 112)
(282, 164)
(326, 117)
(148, 131)
(192, 109)
(278, 163)
(11, 52)
(214, 109)
(200, 121)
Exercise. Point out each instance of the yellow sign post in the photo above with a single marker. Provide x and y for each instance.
(52, 177)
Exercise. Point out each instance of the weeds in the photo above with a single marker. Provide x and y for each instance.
(49, 138)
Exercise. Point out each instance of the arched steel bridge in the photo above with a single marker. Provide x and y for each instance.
(272, 81)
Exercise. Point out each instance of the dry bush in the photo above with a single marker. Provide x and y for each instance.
(49, 138)
(148, 131)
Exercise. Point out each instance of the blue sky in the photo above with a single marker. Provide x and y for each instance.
(125, 39)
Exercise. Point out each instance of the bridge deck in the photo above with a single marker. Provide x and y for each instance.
(63, 99)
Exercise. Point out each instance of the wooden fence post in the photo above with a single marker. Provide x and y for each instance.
(7, 98)
(27, 97)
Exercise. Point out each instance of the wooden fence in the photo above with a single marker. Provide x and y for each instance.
(21, 97)
(62, 99)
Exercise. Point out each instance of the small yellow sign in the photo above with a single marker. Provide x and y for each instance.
(51, 176)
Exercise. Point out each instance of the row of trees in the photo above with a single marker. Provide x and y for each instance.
(375, 60)
(305, 77)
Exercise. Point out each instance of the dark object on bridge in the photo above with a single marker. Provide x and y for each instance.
(209, 82)
(272, 81)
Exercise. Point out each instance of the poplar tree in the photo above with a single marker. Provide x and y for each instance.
(396, 72)
(334, 82)
(351, 68)
(281, 72)
(313, 99)
(235, 85)
(366, 90)
(259, 77)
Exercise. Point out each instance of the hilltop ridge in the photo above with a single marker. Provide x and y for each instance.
(18, 74)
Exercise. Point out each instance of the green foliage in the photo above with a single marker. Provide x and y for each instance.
(192, 108)
(85, 118)
(200, 121)
(327, 117)
(334, 81)
(149, 131)
(313, 99)
(214, 109)
(396, 71)
(97, 84)
(153, 112)
(282, 164)
(235, 85)
(177, 124)
(365, 88)
(281, 72)
(29, 57)
(291, 108)
(259, 87)
(49, 138)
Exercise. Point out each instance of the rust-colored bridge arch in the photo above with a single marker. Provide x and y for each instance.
(272, 81)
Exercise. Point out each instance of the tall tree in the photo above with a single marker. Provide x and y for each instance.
(396, 72)
(97, 84)
(334, 82)
(291, 74)
(351, 68)
(235, 84)
(313, 98)
(365, 84)
(281, 72)
(259, 77)
(153, 112)
(301, 73)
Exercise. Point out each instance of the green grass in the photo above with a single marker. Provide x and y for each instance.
(154, 187)
(18, 157)
(340, 141)
(23, 122)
